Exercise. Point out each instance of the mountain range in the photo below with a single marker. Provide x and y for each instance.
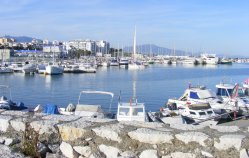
(143, 49)
(22, 38)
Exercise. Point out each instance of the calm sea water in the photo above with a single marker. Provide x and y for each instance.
(153, 86)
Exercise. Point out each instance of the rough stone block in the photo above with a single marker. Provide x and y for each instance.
(110, 132)
(109, 151)
(197, 137)
(206, 154)
(180, 155)
(83, 150)
(244, 153)
(151, 136)
(61, 118)
(148, 154)
(18, 124)
(44, 126)
(4, 122)
(15, 113)
(225, 129)
(73, 130)
(229, 141)
(68, 151)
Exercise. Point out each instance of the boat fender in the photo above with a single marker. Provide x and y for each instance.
(161, 109)
(130, 102)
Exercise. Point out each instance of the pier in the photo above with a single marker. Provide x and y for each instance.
(74, 136)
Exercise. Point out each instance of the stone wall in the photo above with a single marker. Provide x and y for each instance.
(74, 136)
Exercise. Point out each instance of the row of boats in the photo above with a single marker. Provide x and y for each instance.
(197, 104)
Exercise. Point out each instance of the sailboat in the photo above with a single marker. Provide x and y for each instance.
(54, 69)
(132, 110)
(135, 64)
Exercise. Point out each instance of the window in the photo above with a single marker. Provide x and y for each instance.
(202, 113)
(223, 92)
(209, 112)
(192, 113)
(193, 95)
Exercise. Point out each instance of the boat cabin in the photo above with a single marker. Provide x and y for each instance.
(197, 94)
(224, 90)
(131, 112)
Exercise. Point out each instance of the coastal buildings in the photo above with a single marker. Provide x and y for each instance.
(100, 47)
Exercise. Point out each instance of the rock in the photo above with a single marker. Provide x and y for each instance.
(110, 132)
(44, 126)
(68, 151)
(74, 130)
(225, 129)
(5, 152)
(229, 141)
(42, 149)
(57, 155)
(54, 147)
(4, 122)
(109, 151)
(2, 140)
(180, 155)
(15, 113)
(244, 153)
(154, 125)
(176, 123)
(61, 118)
(10, 141)
(197, 137)
(18, 124)
(128, 154)
(85, 151)
(206, 154)
(149, 154)
(151, 136)
(88, 139)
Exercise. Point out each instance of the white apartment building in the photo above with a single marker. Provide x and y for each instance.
(96, 47)
(54, 49)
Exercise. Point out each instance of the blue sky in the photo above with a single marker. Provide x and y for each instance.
(219, 26)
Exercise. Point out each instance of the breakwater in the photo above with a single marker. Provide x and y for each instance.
(74, 136)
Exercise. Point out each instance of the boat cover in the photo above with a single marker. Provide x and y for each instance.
(50, 109)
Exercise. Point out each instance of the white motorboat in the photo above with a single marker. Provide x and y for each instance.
(41, 69)
(29, 68)
(233, 95)
(87, 68)
(7, 103)
(123, 62)
(132, 111)
(54, 69)
(5, 69)
(93, 110)
(210, 59)
(195, 95)
(197, 113)
(114, 62)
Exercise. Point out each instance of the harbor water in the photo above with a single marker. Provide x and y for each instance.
(153, 85)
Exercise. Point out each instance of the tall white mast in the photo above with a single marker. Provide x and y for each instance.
(134, 46)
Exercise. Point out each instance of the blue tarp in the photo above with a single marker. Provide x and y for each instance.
(50, 109)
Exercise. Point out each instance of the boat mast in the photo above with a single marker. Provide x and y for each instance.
(134, 46)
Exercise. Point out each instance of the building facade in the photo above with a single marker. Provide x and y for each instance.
(95, 47)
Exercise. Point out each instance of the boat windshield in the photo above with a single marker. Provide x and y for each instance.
(241, 93)
(224, 92)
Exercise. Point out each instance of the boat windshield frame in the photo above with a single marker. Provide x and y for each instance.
(97, 92)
